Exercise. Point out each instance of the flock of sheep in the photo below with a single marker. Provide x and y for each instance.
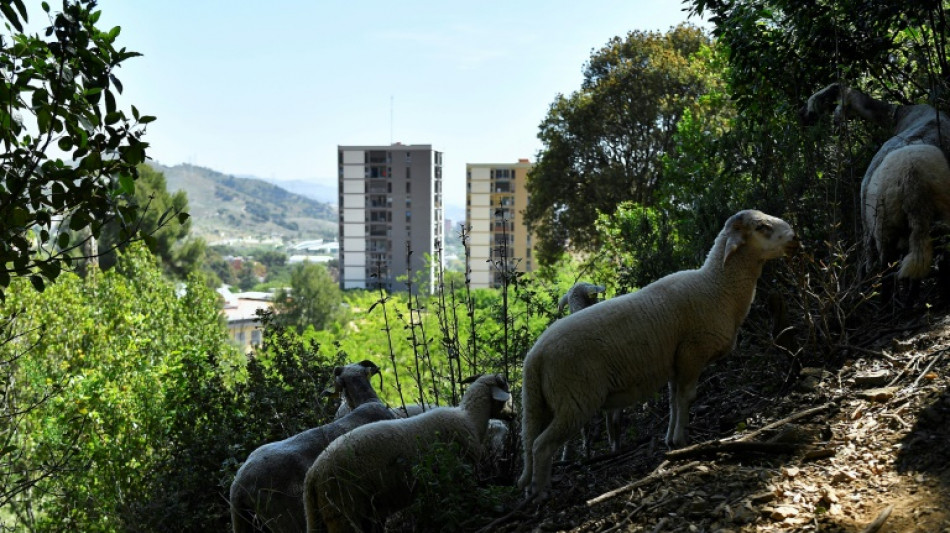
(351, 474)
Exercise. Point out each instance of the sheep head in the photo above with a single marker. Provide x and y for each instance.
(819, 103)
(770, 236)
(502, 407)
(364, 368)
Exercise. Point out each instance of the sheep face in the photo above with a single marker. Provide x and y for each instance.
(341, 374)
(771, 237)
(502, 406)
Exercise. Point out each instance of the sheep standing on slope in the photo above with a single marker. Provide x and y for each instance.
(266, 494)
(364, 476)
(620, 351)
(904, 223)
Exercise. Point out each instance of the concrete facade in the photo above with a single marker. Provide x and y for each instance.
(390, 196)
(495, 201)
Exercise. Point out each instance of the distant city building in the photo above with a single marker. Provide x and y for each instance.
(495, 200)
(389, 196)
(240, 311)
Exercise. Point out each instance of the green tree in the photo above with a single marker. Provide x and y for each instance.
(313, 298)
(58, 96)
(102, 361)
(602, 144)
(166, 235)
(271, 258)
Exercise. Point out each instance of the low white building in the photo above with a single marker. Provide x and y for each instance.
(240, 310)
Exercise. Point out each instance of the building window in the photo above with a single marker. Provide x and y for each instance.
(408, 187)
(256, 337)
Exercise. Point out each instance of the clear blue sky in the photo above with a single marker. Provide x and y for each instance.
(270, 89)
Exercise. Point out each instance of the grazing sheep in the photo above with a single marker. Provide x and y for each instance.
(267, 490)
(364, 476)
(905, 223)
(620, 351)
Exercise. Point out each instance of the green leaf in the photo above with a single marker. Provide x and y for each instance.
(20, 216)
(110, 106)
(7, 449)
(78, 221)
(22, 9)
(8, 12)
(63, 240)
(65, 144)
(116, 82)
(38, 283)
(182, 217)
(127, 184)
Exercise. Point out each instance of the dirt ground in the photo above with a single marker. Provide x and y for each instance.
(859, 442)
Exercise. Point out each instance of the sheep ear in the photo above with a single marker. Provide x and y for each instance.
(337, 370)
(499, 395)
(733, 244)
(366, 363)
(735, 238)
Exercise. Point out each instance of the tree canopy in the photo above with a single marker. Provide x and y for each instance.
(67, 151)
(603, 144)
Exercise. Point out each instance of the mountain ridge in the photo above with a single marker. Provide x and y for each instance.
(224, 206)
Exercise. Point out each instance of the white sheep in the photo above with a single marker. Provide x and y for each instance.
(622, 350)
(582, 295)
(909, 229)
(267, 490)
(905, 195)
(364, 476)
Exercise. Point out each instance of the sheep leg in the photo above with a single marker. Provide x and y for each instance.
(612, 419)
(546, 445)
(916, 264)
(682, 394)
(537, 417)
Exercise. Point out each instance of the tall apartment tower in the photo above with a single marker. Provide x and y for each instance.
(496, 198)
(389, 196)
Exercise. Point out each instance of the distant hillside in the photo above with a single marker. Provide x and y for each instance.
(310, 189)
(228, 207)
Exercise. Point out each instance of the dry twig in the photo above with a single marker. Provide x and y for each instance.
(879, 521)
(656, 474)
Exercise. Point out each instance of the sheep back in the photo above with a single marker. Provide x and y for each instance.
(366, 475)
(907, 192)
(270, 482)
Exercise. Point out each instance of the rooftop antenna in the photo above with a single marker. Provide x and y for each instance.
(390, 119)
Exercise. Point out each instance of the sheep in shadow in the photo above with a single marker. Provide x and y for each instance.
(267, 492)
(906, 187)
(620, 351)
(366, 475)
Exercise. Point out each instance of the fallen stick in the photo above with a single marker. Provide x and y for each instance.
(713, 447)
(879, 521)
(656, 474)
(786, 420)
